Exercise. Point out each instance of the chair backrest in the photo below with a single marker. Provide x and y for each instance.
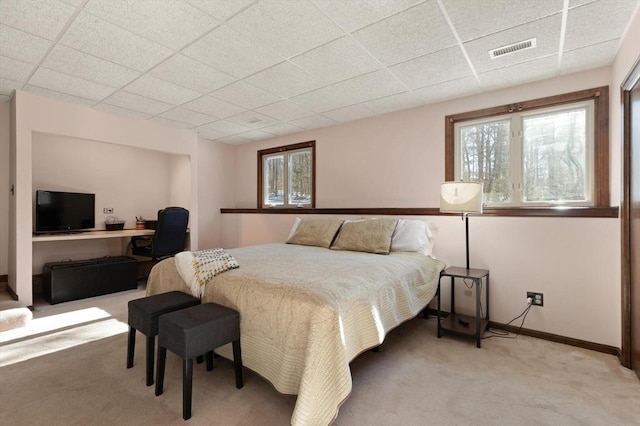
(171, 231)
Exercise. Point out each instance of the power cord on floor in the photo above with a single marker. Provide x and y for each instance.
(505, 334)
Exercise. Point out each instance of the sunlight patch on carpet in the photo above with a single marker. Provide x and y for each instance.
(57, 332)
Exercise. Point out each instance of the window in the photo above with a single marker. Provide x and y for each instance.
(544, 153)
(286, 176)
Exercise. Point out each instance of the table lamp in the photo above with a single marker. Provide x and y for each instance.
(463, 198)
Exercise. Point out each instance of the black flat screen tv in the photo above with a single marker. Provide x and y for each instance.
(58, 211)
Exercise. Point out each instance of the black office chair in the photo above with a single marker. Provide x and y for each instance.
(169, 238)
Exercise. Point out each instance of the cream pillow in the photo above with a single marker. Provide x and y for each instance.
(368, 235)
(314, 232)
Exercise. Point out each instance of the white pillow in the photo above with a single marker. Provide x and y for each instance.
(294, 227)
(413, 235)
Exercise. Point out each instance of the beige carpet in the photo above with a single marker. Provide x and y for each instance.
(66, 369)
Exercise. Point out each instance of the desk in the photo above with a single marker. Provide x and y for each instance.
(92, 235)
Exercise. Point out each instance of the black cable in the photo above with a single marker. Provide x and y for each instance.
(505, 334)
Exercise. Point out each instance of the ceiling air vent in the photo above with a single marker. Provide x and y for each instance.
(512, 48)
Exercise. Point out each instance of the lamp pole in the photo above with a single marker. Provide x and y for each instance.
(465, 217)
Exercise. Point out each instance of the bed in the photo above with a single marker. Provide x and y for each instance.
(307, 310)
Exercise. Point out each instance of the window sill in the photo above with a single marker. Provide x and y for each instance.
(602, 212)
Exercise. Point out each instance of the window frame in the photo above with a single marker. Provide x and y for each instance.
(600, 97)
(280, 150)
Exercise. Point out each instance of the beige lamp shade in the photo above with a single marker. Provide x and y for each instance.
(461, 197)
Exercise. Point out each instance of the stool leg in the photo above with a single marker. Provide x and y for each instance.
(131, 346)
(151, 343)
(209, 360)
(237, 363)
(187, 383)
(162, 357)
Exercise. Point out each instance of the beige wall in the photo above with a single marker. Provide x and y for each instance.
(4, 187)
(216, 189)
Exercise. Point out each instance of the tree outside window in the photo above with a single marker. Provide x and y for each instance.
(542, 153)
(286, 176)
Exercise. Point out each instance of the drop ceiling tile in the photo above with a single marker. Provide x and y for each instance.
(225, 127)
(574, 3)
(74, 3)
(233, 140)
(220, 9)
(325, 99)
(245, 95)
(597, 22)
(74, 86)
(447, 64)
(284, 110)
(415, 32)
(255, 135)
(7, 86)
(42, 18)
(286, 80)
(172, 123)
(292, 27)
(229, 52)
(350, 113)
(448, 90)
(65, 97)
(102, 39)
(213, 107)
(282, 129)
(189, 73)
(363, 88)
(313, 122)
(12, 69)
(209, 134)
(547, 34)
(522, 73)
(252, 120)
(478, 18)
(88, 67)
(337, 60)
(172, 24)
(121, 111)
(393, 103)
(597, 55)
(184, 115)
(354, 14)
(161, 90)
(22, 46)
(135, 102)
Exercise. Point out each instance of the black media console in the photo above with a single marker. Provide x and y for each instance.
(72, 280)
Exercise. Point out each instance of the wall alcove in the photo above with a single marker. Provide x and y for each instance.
(41, 125)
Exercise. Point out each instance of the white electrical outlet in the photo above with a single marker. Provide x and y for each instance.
(107, 210)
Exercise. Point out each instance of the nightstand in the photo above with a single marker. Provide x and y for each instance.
(465, 324)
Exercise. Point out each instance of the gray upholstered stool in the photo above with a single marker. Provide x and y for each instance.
(193, 332)
(143, 316)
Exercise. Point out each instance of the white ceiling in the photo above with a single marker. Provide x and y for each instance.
(244, 70)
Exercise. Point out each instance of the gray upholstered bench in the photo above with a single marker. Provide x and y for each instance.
(192, 332)
(143, 316)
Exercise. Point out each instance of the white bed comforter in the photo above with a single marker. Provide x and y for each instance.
(306, 312)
